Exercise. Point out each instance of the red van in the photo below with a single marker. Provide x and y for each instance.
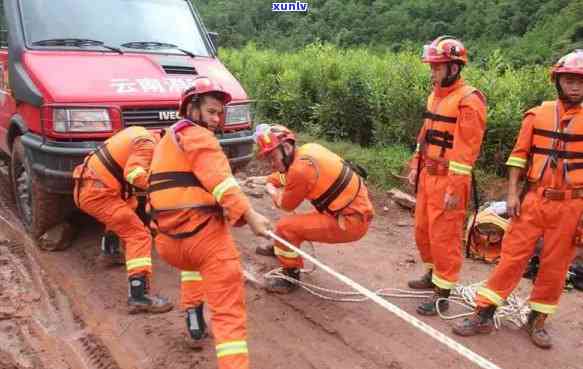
(74, 72)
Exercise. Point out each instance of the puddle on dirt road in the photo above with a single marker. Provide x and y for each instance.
(39, 328)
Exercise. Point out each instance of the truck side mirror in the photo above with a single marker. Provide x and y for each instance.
(214, 40)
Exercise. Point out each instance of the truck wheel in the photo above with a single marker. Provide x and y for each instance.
(38, 209)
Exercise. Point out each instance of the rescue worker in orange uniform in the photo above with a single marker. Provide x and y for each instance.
(448, 144)
(193, 199)
(549, 150)
(311, 172)
(104, 183)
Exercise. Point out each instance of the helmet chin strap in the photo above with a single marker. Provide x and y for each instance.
(198, 122)
(450, 78)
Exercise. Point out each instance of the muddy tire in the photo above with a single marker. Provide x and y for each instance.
(38, 209)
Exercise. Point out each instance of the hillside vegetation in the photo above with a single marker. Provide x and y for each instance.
(350, 71)
(525, 32)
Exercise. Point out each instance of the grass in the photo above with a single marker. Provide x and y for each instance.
(380, 162)
(383, 163)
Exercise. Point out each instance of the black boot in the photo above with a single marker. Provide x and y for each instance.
(428, 308)
(196, 326)
(482, 322)
(283, 286)
(111, 253)
(424, 283)
(139, 300)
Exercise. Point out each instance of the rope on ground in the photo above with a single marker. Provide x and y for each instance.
(422, 326)
(515, 311)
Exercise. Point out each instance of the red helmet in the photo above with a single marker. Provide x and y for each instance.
(445, 49)
(571, 63)
(269, 138)
(200, 86)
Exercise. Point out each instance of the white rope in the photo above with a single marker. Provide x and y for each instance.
(515, 311)
(424, 327)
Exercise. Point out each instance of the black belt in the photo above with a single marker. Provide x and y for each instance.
(442, 139)
(439, 117)
(562, 136)
(105, 157)
(182, 235)
(166, 180)
(557, 153)
(324, 200)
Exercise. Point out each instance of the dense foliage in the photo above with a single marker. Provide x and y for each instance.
(349, 70)
(377, 100)
(525, 32)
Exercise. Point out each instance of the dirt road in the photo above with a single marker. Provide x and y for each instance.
(60, 310)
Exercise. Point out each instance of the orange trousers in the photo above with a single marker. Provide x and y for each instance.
(213, 254)
(107, 206)
(317, 227)
(191, 289)
(555, 222)
(439, 232)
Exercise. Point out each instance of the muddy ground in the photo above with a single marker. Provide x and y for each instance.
(60, 310)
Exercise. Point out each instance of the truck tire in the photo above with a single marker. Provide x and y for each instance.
(38, 209)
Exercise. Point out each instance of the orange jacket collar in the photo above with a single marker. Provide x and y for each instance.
(439, 91)
(564, 109)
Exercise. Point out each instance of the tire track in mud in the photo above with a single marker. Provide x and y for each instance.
(39, 328)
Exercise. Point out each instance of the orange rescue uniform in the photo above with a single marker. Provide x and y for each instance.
(551, 139)
(102, 186)
(194, 198)
(447, 147)
(346, 218)
(191, 289)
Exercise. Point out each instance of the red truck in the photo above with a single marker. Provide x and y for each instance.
(74, 72)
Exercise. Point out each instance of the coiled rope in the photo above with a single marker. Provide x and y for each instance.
(514, 311)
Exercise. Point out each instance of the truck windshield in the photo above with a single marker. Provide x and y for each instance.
(169, 24)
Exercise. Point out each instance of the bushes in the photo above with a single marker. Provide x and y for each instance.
(534, 31)
(377, 99)
(381, 162)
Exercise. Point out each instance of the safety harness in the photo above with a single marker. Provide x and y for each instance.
(436, 137)
(444, 140)
(116, 170)
(349, 170)
(105, 157)
(554, 154)
(167, 180)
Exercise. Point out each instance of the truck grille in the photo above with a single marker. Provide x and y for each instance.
(150, 117)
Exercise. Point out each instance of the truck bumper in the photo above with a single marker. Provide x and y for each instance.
(53, 161)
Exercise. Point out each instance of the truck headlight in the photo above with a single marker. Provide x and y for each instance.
(237, 114)
(81, 120)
